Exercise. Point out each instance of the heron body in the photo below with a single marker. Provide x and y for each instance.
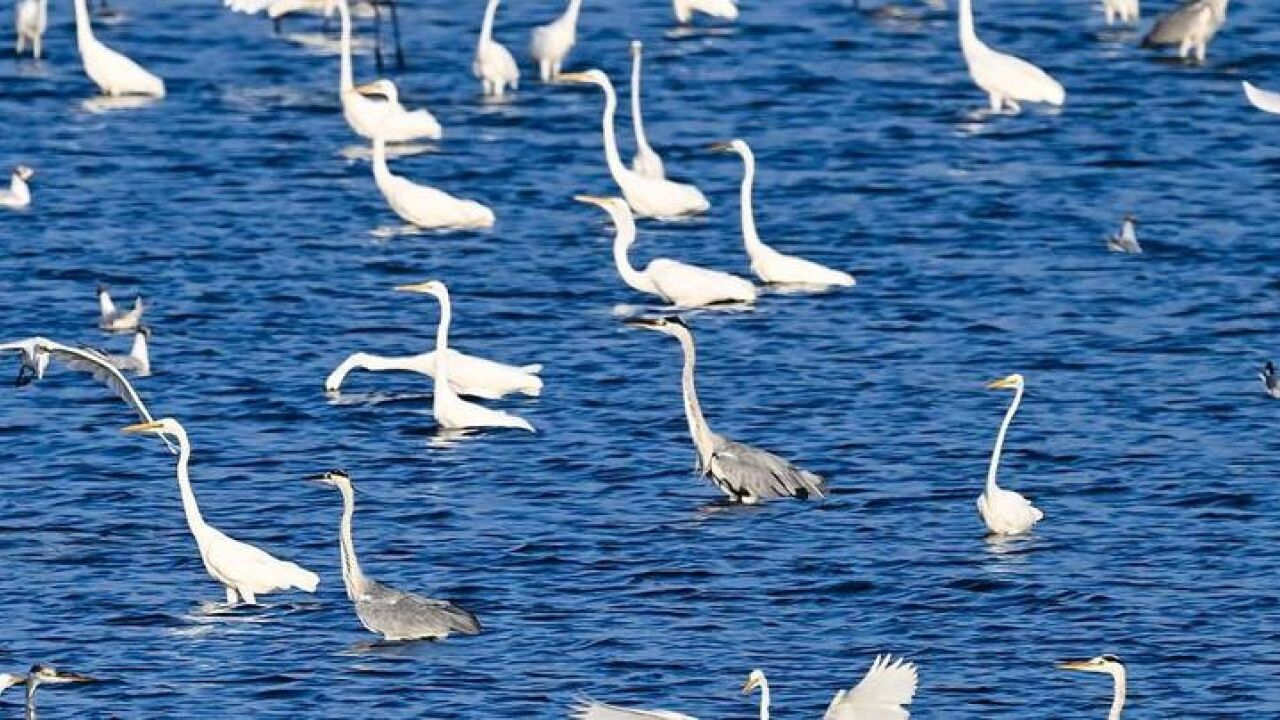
(1270, 380)
(31, 18)
(1126, 241)
(394, 614)
(1004, 511)
(424, 206)
(646, 162)
(244, 570)
(1126, 11)
(468, 375)
(648, 197)
(1105, 665)
(113, 73)
(550, 44)
(723, 9)
(138, 361)
(680, 284)
(18, 196)
(1006, 79)
(493, 65)
(1191, 27)
(114, 319)
(1264, 100)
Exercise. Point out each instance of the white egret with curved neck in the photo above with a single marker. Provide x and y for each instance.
(1190, 26)
(18, 196)
(1126, 11)
(1105, 665)
(493, 65)
(768, 264)
(1007, 80)
(882, 694)
(422, 205)
(1004, 511)
(31, 19)
(646, 162)
(451, 411)
(244, 570)
(1264, 100)
(111, 71)
(678, 283)
(723, 9)
(550, 44)
(649, 197)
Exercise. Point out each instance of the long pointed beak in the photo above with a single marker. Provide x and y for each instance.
(646, 323)
(721, 147)
(748, 686)
(1000, 384)
(415, 288)
(590, 199)
(141, 428)
(1081, 665)
(574, 77)
(70, 677)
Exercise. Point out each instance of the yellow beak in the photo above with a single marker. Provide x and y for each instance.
(590, 199)
(142, 428)
(1001, 384)
(416, 288)
(722, 147)
(748, 686)
(1074, 665)
(368, 89)
(573, 77)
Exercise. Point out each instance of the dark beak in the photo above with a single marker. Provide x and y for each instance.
(647, 323)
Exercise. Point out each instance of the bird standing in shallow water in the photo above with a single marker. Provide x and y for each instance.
(1126, 11)
(30, 21)
(1126, 241)
(1006, 512)
(1191, 27)
(550, 44)
(1006, 79)
(493, 65)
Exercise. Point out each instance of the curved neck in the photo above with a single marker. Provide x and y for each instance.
(637, 119)
(625, 227)
(968, 35)
(84, 31)
(571, 12)
(31, 698)
(486, 27)
(105, 305)
(352, 577)
(381, 173)
(693, 410)
(442, 387)
(749, 235)
(139, 349)
(194, 520)
(346, 76)
(1004, 428)
(764, 700)
(610, 141)
(1117, 704)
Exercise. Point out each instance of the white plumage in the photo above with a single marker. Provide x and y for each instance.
(881, 694)
(425, 206)
(723, 9)
(1264, 100)
(1006, 512)
(18, 195)
(493, 65)
(112, 318)
(588, 709)
(468, 375)
(646, 162)
(1006, 79)
(113, 73)
(550, 44)
(31, 18)
(1126, 11)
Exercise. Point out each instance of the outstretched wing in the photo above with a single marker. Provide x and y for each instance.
(588, 709)
(98, 365)
(251, 7)
(884, 690)
(761, 474)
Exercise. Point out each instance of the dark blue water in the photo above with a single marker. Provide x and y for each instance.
(588, 550)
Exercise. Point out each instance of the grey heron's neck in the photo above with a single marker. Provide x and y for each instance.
(352, 577)
(346, 76)
(32, 684)
(1121, 687)
(194, 519)
(637, 119)
(999, 447)
(692, 408)
(749, 235)
(611, 155)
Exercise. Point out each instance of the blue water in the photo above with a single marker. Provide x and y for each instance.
(596, 561)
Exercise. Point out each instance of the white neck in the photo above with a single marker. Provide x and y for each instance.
(352, 577)
(968, 35)
(571, 12)
(84, 31)
(346, 76)
(486, 27)
(18, 189)
(749, 235)
(381, 173)
(1127, 232)
(764, 699)
(637, 119)
(625, 227)
(1117, 704)
(698, 427)
(610, 141)
(194, 520)
(999, 448)
(442, 389)
(105, 305)
(139, 350)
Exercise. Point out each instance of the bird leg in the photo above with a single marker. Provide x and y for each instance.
(395, 29)
(377, 34)
(232, 596)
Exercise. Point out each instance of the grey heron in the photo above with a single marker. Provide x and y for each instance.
(1190, 26)
(392, 613)
(45, 675)
(1270, 380)
(743, 473)
(18, 196)
(1106, 665)
(1126, 241)
(112, 318)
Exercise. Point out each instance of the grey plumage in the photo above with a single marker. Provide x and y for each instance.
(1270, 380)
(1191, 25)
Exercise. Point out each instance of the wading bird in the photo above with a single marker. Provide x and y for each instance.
(649, 197)
(468, 375)
(112, 318)
(394, 614)
(881, 694)
(768, 264)
(18, 195)
(45, 675)
(493, 65)
(1264, 100)
(745, 474)
(113, 73)
(675, 282)
(1007, 80)
(550, 44)
(1191, 26)
(244, 570)
(685, 9)
(646, 162)
(1126, 241)
(1270, 380)
(425, 206)
(451, 411)
(138, 360)
(1126, 11)
(1004, 511)
(31, 17)
(1106, 665)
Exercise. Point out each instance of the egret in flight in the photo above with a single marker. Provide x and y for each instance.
(112, 318)
(675, 282)
(138, 361)
(113, 73)
(649, 197)
(1106, 665)
(768, 264)
(493, 65)
(1126, 11)
(45, 675)
(31, 19)
(451, 411)
(1004, 511)
(646, 162)
(18, 195)
(1264, 100)
(745, 474)
(550, 44)
(1270, 380)
(244, 570)
(1007, 80)
(1191, 26)
(422, 205)
(685, 9)
(394, 614)
(1126, 241)
(888, 686)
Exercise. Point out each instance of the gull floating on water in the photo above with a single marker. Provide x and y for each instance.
(646, 162)
(685, 9)
(1270, 380)
(113, 73)
(1191, 27)
(1106, 665)
(1006, 79)
(422, 205)
(1265, 100)
(138, 361)
(112, 318)
(18, 195)
(1006, 512)
(30, 21)
(1126, 241)
(550, 44)
(493, 65)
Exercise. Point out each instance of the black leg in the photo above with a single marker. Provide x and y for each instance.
(395, 27)
(377, 32)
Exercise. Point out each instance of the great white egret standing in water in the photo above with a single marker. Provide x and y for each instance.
(422, 205)
(1126, 11)
(451, 411)
(678, 283)
(1264, 100)
(1007, 80)
(113, 73)
(649, 197)
(646, 162)
(493, 65)
(1126, 241)
(685, 9)
(1106, 665)
(1004, 511)
(31, 18)
(18, 195)
(550, 44)
(244, 570)
(394, 614)
(768, 264)
(114, 319)
(1191, 27)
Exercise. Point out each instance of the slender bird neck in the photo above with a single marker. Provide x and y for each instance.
(764, 700)
(1121, 686)
(352, 577)
(486, 27)
(692, 408)
(84, 31)
(637, 118)
(749, 235)
(622, 241)
(611, 155)
(442, 387)
(105, 304)
(346, 76)
(999, 447)
(381, 173)
(1128, 232)
(194, 519)
(968, 35)
(571, 12)
(32, 684)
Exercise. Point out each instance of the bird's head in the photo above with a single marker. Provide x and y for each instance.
(333, 478)
(48, 675)
(754, 680)
(1131, 218)
(1106, 664)
(587, 77)
(102, 289)
(617, 208)
(144, 331)
(163, 426)
(733, 146)
(1269, 368)
(431, 287)
(636, 48)
(669, 325)
(379, 88)
(23, 173)
(1013, 382)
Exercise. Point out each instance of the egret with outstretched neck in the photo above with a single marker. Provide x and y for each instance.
(494, 66)
(113, 73)
(1006, 79)
(646, 162)
(1006, 512)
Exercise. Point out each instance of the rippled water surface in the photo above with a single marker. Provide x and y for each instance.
(597, 562)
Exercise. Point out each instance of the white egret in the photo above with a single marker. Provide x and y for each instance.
(1270, 380)
(394, 614)
(678, 283)
(468, 375)
(113, 73)
(768, 264)
(1126, 11)
(1004, 511)
(550, 44)
(1126, 241)
(1265, 100)
(1106, 665)
(114, 319)
(888, 686)
(646, 162)
(425, 206)
(18, 195)
(685, 9)
(31, 18)
(493, 65)
(138, 360)
(1006, 79)
(649, 197)
(244, 570)
(1191, 26)
(451, 411)
(40, 674)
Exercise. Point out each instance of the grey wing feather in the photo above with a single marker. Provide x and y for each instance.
(759, 473)
(400, 615)
(588, 709)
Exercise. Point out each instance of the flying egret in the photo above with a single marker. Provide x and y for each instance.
(45, 675)
(881, 694)
(1265, 100)
(31, 17)
(394, 614)
(646, 162)
(493, 65)
(138, 360)
(680, 284)
(1106, 665)
(550, 44)
(1126, 241)
(1006, 79)
(244, 570)
(18, 195)
(768, 264)
(1126, 11)
(468, 375)
(114, 319)
(422, 205)
(113, 73)
(747, 475)
(685, 9)
(1191, 26)
(649, 197)
(451, 411)
(1004, 511)
(1270, 380)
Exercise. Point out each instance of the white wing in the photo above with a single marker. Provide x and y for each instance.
(1014, 77)
(1264, 100)
(886, 687)
(97, 364)
(250, 7)
(691, 286)
(591, 710)
(239, 563)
